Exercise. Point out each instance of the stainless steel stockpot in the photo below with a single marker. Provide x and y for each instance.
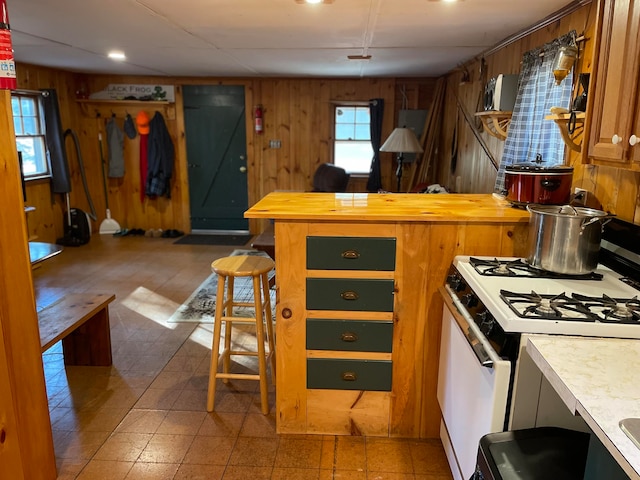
(565, 239)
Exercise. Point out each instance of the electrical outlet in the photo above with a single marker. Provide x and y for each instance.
(580, 196)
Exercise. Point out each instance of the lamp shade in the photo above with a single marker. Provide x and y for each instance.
(402, 140)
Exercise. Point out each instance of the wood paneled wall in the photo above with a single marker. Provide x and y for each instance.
(298, 112)
(615, 189)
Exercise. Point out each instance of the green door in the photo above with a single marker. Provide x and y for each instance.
(214, 117)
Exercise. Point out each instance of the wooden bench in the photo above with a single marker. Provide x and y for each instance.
(81, 321)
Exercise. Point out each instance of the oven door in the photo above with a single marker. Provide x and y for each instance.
(473, 386)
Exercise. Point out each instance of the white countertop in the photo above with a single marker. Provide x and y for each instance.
(599, 379)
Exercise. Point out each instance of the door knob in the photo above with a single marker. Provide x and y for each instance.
(616, 139)
(633, 140)
(243, 169)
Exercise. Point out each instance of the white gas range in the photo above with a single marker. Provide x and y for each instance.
(490, 305)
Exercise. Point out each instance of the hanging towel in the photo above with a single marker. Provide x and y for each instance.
(115, 143)
(160, 157)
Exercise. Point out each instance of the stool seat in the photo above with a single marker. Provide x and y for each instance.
(242, 266)
(227, 269)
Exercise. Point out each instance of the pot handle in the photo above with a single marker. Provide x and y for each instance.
(605, 219)
(550, 184)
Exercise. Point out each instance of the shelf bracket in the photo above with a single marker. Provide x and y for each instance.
(495, 123)
(572, 140)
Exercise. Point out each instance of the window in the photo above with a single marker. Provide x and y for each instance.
(30, 139)
(352, 148)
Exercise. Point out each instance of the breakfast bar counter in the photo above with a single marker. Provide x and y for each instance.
(358, 314)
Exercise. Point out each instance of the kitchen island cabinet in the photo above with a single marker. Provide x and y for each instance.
(368, 267)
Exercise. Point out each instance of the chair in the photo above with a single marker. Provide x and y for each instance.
(227, 269)
(330, 178)
(327, 178)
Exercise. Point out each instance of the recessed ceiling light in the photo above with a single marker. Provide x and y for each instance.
(313, 1)
(116, 55)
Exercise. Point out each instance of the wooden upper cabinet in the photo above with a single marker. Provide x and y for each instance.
(616, 111)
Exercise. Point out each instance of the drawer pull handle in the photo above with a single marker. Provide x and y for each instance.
(349, 295)
(349, 376)
(350, 255)
(286, 313)
(349, 337)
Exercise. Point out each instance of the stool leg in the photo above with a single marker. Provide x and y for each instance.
(262, 360)
(226, 359)
(215, 357)
(269, 322)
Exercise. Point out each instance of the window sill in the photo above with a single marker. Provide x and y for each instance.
(38, 178)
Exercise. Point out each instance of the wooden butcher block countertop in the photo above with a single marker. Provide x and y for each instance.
(386, 207)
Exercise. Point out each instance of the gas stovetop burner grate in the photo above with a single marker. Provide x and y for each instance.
(613, 310)
(578, 307)
(519, 268)
(547, 307)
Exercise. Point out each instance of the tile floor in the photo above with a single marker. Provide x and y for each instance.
(145, 416)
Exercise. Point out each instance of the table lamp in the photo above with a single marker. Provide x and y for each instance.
(401, 141)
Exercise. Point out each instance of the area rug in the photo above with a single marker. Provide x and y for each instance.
(213, 240)
(201, 305)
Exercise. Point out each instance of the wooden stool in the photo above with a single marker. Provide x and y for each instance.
(227, 269)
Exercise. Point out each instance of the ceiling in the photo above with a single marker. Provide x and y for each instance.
(269, 38)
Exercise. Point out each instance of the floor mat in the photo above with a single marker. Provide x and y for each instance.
(200, 306)
(213, 240)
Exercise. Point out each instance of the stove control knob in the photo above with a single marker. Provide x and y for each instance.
(470, 300)
(456, 282)
(486, 322)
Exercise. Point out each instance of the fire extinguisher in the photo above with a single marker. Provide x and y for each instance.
(257, 118)
(7, 65)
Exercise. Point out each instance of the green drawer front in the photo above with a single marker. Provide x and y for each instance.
(351, 253)
(349, 374)
(363, 295)
(349, 335)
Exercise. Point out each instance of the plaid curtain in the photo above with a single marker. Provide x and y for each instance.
(529, 133)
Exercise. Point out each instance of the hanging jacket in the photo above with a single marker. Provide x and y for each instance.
(115, 142)
(160, 156)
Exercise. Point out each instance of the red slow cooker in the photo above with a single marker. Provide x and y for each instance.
(532, 183)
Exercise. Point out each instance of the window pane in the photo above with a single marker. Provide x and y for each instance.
(17, 125)
(362, 115)
(28, 106)
(345, 115)
(354, 157)
(34, 159)
(29, 161)
(30, 125)
(15, 105)
(363, 132)
(345, 132)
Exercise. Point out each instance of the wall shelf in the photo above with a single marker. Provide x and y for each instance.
(562, 120)
(108, 108)
(495, 123)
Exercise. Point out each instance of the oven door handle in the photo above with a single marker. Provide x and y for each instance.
(464, 321)
(481, 353)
